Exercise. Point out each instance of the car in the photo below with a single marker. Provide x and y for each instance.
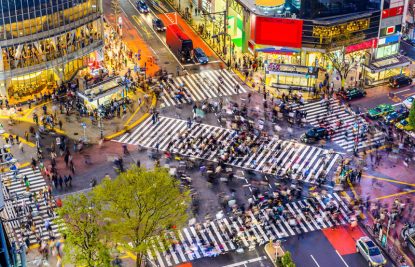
(316, 134)
(158, 25)
(352, 93)
(395, 116)
(370, 251)
(142, 7)
(200, 56)
(399, 81)
(380, 110)
(404, 125)
(408, 102)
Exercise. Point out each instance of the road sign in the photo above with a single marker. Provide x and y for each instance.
(83, 124)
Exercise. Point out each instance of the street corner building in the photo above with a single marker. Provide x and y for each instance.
(292, 37)
(44, 43)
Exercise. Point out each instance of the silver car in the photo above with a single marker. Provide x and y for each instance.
(370, 251)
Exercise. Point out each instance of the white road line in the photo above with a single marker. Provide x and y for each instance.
(402, 91)
(242, 263)
(342, 259)
(155, 16)
(318, 265)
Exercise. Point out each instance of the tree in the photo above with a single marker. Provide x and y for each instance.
(141, 206)
(287, 260)
(342, 62)
(412, 116)
(80, 222)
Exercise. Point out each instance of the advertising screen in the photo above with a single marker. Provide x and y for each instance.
(278, 32)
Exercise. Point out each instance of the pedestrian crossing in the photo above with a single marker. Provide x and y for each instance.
(200, 86)
(242, 231)
(18, 206)
(269, 156)
(352, 125)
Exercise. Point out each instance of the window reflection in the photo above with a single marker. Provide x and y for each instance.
(25, 17)
(25, 55)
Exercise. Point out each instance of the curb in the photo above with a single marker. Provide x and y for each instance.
(266, 247)
(134, 124)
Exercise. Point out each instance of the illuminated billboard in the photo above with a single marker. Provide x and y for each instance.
(277, 32)
(271, 3)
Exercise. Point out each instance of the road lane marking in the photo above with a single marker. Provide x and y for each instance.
(152, 12)
(318, 265)
(245, 262)
(396, 195)
(387, 180)
(342, 259)
(403, 91)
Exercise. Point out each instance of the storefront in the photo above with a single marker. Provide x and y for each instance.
(378, 71)
(290, 76)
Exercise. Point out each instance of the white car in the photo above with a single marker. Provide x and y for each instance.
(408, 102)
(370, 251)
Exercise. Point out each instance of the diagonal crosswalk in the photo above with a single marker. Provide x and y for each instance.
(230, 233)
(20, 203)
(200, 86)
(351, 123)
(269, 156)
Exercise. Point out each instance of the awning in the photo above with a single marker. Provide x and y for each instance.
(388, 63)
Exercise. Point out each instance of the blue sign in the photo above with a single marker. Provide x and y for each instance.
(83, 124)
(392, 39)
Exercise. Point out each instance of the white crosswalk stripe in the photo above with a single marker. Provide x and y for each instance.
(16, 196)
(351, 123)
(271, 156)
(201, 86)
(191, 243)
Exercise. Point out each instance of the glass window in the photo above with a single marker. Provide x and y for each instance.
(312, 9)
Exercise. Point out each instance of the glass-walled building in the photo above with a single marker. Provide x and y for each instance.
(45, 42)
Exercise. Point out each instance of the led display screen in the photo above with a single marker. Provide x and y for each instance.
(278, 32)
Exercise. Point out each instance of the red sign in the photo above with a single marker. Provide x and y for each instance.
(363, 45)
(392, 12)
(277, 32)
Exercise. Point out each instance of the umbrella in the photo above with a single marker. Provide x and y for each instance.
(200, 113)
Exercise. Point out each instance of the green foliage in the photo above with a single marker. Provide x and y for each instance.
(286, 260)
(140, 205)
(412, 116)
(85, 243)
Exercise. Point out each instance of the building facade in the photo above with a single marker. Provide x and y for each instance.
(45, 42)
(293, 36)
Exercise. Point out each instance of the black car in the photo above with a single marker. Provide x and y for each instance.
(399, 81)
(142, 7)
(158, 25)
(352, 93)
(316, 134)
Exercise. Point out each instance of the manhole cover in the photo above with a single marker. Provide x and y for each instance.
(166, 62)
(75, 133)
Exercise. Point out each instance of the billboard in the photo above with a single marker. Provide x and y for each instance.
(277, 32)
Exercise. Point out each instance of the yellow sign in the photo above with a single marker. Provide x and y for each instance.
(269, 2)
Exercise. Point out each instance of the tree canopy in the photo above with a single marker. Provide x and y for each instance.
(412, 116)
(85, 242)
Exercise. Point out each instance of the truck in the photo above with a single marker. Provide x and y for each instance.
(179, 43)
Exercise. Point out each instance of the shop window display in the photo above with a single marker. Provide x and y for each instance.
(24, 87)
